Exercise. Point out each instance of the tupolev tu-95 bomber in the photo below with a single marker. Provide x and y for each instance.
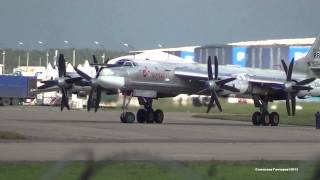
(149, 80)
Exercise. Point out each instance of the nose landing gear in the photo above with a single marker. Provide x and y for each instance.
(126, 117)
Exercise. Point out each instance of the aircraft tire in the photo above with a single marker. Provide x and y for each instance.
(256, 118)
(158, 116)
(274, 119)
(150, 116)
(141, 116)
(6, 101)
(265, 119)
(122, 117)
(127, 117)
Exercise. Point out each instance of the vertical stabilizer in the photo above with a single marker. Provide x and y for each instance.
(310, 64)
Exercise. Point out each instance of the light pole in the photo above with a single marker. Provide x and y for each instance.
(102, 46)
(4, 60)
(40, 44)
(21, 43)
(19, 56)
(66, 42)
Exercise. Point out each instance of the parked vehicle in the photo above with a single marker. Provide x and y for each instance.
(16, 89)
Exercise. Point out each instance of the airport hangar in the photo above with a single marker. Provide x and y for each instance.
(265, 54)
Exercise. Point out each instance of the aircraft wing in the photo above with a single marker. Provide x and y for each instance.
(51, 89)
(261, 79)
(194, 73)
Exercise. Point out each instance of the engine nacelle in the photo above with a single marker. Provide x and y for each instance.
(315, 92)
(242, 85)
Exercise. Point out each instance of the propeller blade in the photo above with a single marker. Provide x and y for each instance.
(98, 73)
(62, 104)
(82, 74)
(229, 88)
(98, 99)
(62, 66)
(210, 76)
(302, 88)
(204, 90)
(216, 68)
(95, 61)
(64, 100)
(293, 104)
(288, 103)
(89, 102)
(214, 98)
(225, 81)
(106, 61)
(306, 81)
(73, 80)
(284, 65)
(289, 75)
(210, 104)
(48, 84)
(217, 100)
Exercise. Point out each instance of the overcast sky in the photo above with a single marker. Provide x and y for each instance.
(146, 23)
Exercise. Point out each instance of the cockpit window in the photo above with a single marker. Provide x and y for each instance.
(126, 62)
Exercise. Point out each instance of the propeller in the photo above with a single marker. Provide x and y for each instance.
(63, 82)
(215, 84)
(95, 87)
(292, 87)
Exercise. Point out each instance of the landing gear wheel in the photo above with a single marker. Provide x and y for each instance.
(149, 116)
(6, 102)
(265, 119)
(127, 117)
(158, 116)
(256, 118)
(274, 119)
(141, 115)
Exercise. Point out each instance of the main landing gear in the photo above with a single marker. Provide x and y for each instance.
(145, 115)
(264, 117)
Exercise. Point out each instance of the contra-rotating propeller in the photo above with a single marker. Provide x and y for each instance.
(95, 87)
(215, 84)
(292, 87)
(64, 82)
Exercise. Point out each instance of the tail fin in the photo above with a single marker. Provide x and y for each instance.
(314, 52)
(310, 64)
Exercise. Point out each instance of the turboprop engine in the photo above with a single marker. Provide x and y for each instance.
(242, 85)
(315, 92)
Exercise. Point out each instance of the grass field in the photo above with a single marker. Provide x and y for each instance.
(10, 135)
(161, 170)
